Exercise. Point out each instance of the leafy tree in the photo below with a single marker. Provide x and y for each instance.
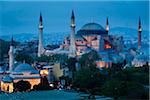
(51, 47)
(117, 82)
(116, 88)
(4, 47)
(24, 57)
(88, 59)
(22, 86)
(52, 58)
(128, 82)
(43, 58)
(43, 85)
(71, 63)
(88, 78)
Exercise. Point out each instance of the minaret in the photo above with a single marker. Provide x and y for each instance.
(11, 55)
(107, 25)
(139, 34)
(40, 46)
(72, 48)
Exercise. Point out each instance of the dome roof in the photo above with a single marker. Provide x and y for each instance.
(1, 70)
(7, 79)
(92, 28)
(25, 68)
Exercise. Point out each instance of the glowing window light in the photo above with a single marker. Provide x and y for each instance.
(44, 72)
(107, 46)
(11, 88)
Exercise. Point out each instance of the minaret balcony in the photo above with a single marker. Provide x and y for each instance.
(72, 25)
(107, 28)
(40, 27)
(140, 30)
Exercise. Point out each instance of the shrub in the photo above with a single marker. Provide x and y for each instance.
(22, 86)
(43, 85)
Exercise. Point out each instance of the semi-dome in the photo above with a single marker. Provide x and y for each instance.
(92, 28)
(25, 68)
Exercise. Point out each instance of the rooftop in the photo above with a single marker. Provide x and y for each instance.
(92, 28)
(25, 68)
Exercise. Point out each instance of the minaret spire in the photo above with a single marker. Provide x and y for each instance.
(139, 33)
(72, 48)
(72, 16)
(11, 55)
(41, 17)
(40, 45)
(107, 25)
(72, 20)
(12, 41)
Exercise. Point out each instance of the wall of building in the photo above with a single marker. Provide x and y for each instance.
(57, 72)
(31, 81)
(7, 87)
(103, 64)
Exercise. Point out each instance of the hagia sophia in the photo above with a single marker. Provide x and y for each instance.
(91, 36)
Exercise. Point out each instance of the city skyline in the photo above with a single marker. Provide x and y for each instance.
(22, 17)
(74, 50)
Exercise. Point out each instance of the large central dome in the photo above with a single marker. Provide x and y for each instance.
(92, 28)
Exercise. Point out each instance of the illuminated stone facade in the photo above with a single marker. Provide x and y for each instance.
(103, 64)
(94, 36)
(23, 72)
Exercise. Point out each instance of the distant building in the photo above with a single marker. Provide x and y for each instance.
(104, 63)
(17, 73)
(91, 36)
(53, 71)
(21, 72)
(140, 60)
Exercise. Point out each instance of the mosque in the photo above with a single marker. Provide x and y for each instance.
(91, 36)
(17, 73)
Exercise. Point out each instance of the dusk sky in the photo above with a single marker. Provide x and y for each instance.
(23, 17)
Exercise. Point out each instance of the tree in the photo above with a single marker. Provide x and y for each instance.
(22, 86)
(24, 57)
(88, 59)
(4, 48)
(88, 77)
(128, 83)
(43, 85)
(43, 58)
(52, 47)
(71, 63)
(52, 58)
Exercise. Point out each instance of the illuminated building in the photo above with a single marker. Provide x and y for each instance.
(21, 72)
(104, 63)
(91, 36)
